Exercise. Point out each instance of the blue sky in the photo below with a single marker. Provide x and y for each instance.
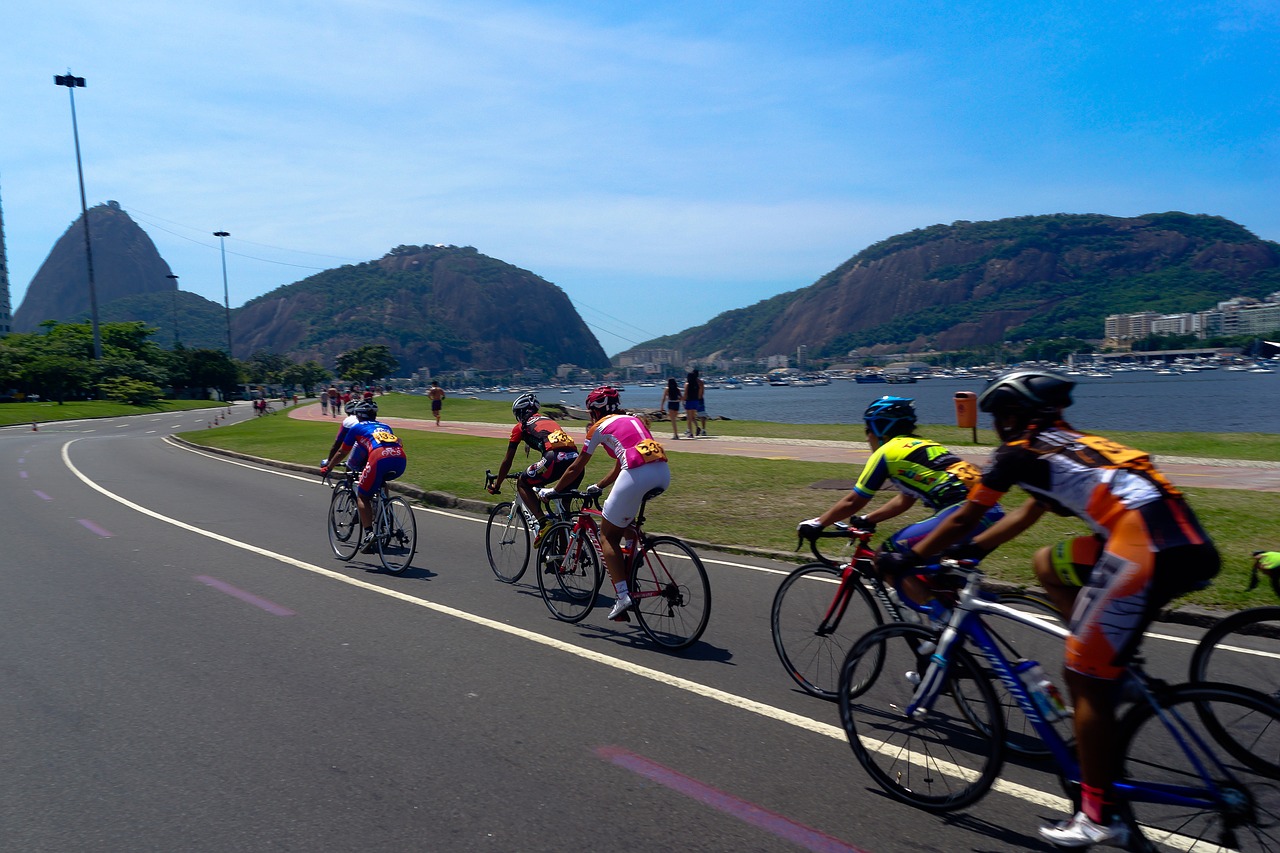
(661, 161)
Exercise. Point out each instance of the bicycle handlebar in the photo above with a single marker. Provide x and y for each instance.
(589, 499)
(839, 530)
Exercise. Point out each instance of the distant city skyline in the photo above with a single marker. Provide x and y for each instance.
(661, 162)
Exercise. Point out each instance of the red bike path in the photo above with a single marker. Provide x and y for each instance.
(1205, 473)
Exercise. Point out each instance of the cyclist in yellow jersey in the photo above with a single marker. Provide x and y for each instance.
(919, 469)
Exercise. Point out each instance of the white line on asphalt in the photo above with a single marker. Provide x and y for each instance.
(724, 697)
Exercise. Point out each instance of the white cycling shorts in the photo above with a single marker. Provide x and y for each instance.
(623, 503)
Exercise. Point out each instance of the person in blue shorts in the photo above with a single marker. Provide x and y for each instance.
(385, 460)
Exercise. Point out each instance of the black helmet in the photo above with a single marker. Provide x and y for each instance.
(524, 406)
(890, 416)
(365, 410)
(1028, 391)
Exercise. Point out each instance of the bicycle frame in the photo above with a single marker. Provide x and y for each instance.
(859, 568)
(966, 622)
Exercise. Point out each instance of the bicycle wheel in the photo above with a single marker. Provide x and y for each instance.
(344, 523)
(1238, 805)
(507, 542)
(671, 592)
(569, 572)
(1243, 648)
(816, 620)
(939, 760)
(397, 536)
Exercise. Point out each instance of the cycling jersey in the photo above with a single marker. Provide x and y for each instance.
(1147, 548)
(386, 457)
(542, 434)
(359, 455)
(920, 469)
(626, 439)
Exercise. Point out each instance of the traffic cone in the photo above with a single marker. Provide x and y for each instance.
(34, 427)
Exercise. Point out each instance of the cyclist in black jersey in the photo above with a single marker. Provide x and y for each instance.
(556, 450)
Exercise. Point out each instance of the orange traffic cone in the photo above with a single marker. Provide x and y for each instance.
(34, 427)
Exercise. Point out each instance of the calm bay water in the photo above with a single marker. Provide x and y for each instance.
(1206, 401)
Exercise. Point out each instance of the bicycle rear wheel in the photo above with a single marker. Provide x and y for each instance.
(398, 538)
(344, 523)
(569, 572)
(507, 542)
(941, 760)
(671, 592)
(816, 619)
(1229, 797)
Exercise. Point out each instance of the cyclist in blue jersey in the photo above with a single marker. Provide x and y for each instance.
(385, 460)
(918, 469)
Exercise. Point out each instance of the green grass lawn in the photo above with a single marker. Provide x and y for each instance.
(25, 413)
(737, 501)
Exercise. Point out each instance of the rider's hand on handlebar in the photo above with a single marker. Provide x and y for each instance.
(861, 522)
(809, 529)
(594, 490)
(898, 562)
(493, 488)
(545, 493)
(965, 551)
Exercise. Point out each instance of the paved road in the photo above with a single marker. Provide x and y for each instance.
(185, 667)
(1207, 473)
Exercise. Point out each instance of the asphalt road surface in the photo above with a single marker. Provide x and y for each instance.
(184, 666)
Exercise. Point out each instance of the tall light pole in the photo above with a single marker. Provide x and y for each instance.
(72, 83)
(226, 298)
(175, 309)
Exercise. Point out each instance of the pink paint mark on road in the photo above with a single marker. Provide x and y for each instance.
(247, 597)
(22, 474)
(785, 828)
(90, 526)
(41, 495)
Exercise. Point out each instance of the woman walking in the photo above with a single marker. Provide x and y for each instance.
(671, 399)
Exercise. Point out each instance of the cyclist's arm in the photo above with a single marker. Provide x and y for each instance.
(573, 473)
(844, 508)
(952, 529)
(1010, 526)
(612, 475)
(895, 506)
(505, 467)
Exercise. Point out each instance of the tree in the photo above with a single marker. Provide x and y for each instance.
(367, 363)
(265, 368)
(305, 376)
(212, 368)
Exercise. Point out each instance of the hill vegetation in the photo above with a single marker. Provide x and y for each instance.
(974, 284)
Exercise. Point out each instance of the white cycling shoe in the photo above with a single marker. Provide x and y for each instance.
(1080, 831)
(620, 608)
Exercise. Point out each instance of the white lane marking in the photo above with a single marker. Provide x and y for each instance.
(722, 696)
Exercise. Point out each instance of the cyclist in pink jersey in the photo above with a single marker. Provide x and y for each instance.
(639, 468)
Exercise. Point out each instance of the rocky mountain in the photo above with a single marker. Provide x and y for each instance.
(440, 307)
(971, 284)
(125, 263)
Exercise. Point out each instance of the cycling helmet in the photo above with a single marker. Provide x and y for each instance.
(365, 410)
(605, 397)
(524, 406)
(890, 416)
(350, 407)
(1028, 391)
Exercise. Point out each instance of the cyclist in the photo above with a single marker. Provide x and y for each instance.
(639, 468)
(919, 469)
(384, 460)
(557, 449)
(1147, 548)
(358, 454)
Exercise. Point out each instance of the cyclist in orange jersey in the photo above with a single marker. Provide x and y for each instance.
(1147, 548)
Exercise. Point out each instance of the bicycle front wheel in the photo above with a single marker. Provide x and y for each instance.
(671, 592)
(569, 572)
(1187, 789)
(398, 538)
(344, 523)
(1244, 649)
(507, 542)
(816, 619)
(947, 756)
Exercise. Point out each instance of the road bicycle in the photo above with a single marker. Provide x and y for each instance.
(665, 577)
(395, 531)
(822, 608)
(929, 731)
(507, 540)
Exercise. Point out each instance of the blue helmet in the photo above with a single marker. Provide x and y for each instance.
(890, 416)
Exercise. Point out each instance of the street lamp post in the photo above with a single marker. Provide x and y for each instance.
(226, 298)
(175, 309)
(72, 83)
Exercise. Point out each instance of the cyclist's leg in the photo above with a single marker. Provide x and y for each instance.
(619, 512)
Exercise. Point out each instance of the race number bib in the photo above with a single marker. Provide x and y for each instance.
(385, 436)
(966, 472)
(651, 451)
(558, 440)
(1120, 456)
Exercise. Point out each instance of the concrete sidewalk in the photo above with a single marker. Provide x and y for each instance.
(1185, 471)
